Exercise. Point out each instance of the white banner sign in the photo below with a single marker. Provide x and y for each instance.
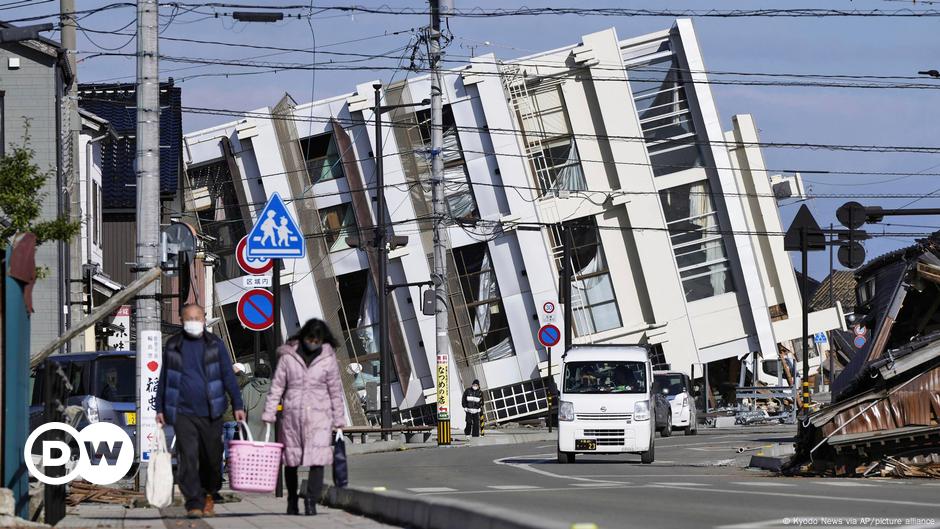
(120, 338)
(149, 363)
(256, 282)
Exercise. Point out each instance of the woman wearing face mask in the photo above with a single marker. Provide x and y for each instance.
(307, 383)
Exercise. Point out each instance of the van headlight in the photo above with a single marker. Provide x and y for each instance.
(565, 411)
(641, 411)
(90, 406)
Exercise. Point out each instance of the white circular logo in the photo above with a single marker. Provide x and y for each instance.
(106, 442)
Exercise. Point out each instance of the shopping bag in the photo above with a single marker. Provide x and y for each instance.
(340, 468)
(160, 474)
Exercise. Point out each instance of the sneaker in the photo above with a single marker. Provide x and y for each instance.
(209, 510)
(194, 513)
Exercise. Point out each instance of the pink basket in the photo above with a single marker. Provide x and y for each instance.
(253, 465)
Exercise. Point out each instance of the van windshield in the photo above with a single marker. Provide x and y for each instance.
(674, 383)
(605, 377)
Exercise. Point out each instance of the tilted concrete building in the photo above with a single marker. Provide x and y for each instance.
(675, 226)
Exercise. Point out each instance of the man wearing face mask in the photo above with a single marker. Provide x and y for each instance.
(473, 405)
(191, 395)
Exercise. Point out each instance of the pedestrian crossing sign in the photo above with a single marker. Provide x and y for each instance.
(275, 234)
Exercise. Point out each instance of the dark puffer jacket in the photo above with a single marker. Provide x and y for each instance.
(220, 378)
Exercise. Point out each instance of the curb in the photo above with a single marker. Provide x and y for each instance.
(408, 510)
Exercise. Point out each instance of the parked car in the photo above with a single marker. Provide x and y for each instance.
(676, 388)
(103, 384)
(662, 412)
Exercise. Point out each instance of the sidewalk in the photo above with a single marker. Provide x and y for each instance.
(255, 511)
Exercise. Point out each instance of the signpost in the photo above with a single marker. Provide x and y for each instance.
(251, 265)
(151, 355)
(275, 236)
(549, 335)
(256, 309)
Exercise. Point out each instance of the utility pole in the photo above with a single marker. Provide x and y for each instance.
(72, 127)
(147, 317)
(381, 252)
(437, 200)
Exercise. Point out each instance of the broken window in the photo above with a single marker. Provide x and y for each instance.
(549, 140)
(659, 94)
(484, 305)
(457, 192)
(593, 302)
(338, 222)
(697, 242)
(321, 157)
(222, 219)
(359, 317)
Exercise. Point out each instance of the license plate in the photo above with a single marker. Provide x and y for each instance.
(130, 418)
(585, 444)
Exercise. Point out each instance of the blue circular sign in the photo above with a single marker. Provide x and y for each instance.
(860, 342)
(549, 335)
(256, 309)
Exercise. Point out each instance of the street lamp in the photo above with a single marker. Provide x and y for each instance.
(932, 73)
(17, 34)
(381, 241)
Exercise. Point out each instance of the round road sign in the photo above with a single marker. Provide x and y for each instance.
(256, 309)
(851, 215)
(549, 335)
(251, 265)
(548, 307)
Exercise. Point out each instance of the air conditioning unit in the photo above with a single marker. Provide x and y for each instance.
(788, 186)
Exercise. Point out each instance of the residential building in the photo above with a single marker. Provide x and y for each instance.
(672, 219)
(34, 77)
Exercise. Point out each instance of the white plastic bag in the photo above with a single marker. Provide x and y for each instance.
(160, 474)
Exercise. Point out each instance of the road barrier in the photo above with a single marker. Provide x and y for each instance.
(429, 512)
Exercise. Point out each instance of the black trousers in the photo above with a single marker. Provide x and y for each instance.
(314, 482)
(473, 425)
(199, 458)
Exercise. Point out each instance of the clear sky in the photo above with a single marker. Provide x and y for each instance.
(851, 46)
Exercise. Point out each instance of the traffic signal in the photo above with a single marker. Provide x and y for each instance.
(853, 216)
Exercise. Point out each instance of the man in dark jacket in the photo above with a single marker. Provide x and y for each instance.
(473, 405)
(195, 377)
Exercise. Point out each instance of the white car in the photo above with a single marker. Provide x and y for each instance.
(605, 402)
(678, 390)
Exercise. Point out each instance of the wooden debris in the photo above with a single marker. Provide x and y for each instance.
(82, 491)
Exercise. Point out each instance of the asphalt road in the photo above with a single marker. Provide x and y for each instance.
(696, 482)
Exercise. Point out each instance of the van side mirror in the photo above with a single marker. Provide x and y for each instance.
(665, 391)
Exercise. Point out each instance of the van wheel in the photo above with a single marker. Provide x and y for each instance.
(565, 458)
(647, 457)
(667, 430)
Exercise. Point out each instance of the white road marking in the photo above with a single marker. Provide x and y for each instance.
(528, 467)
(425, 490)
(512, 487)
(762, 484)
(767, 524)
(835, 483)
(680, 483)
(526, 491)
(600, 484)
(661, 476)
(806, 496)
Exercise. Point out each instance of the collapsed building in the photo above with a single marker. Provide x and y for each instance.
(885, 411)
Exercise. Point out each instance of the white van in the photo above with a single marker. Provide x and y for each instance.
(605, 402)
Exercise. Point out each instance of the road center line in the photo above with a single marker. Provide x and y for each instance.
(512, 487)
(424, 490)
(528, 467)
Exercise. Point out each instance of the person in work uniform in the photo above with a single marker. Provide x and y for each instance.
(473, 405)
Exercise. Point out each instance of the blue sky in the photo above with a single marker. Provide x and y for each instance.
(871, 46)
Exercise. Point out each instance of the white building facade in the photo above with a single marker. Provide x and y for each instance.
(673, 220)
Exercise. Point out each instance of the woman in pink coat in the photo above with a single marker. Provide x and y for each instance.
(307, 377)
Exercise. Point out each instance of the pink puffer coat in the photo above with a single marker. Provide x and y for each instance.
(313, 405)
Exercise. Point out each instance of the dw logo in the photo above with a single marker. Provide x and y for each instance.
(105, 441)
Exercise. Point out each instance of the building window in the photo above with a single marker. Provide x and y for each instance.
(457, 191)
(484, 304)
(359, 318)
(696, 239)
(659, 93)
(593, 302)
(549, 140)
(222, 220)
(321, 157)
(339, 222)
